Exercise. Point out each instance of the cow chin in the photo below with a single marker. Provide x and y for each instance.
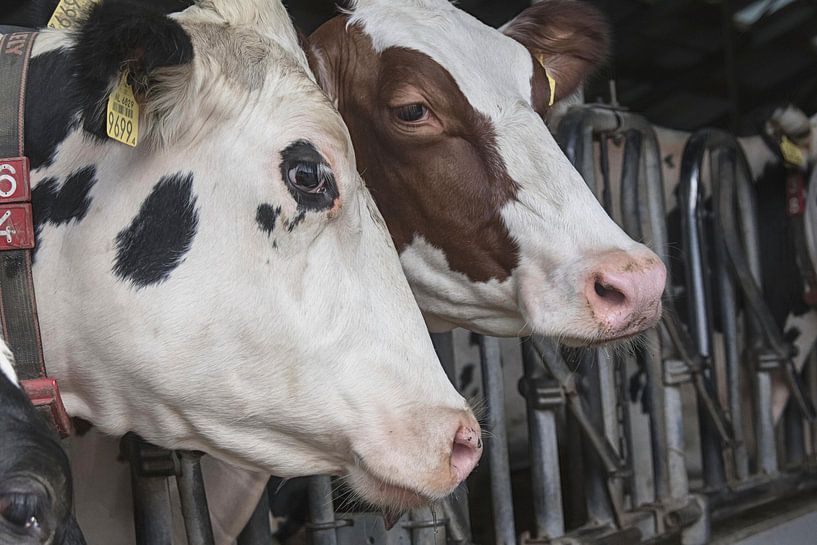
(379, 492)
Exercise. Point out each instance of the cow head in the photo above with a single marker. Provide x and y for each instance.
(496, 230)
(228, 285)
(35, 478)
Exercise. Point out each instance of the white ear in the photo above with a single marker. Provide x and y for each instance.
(7, 363)
(791, 120)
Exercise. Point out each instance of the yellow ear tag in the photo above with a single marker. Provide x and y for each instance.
(551, 82)
(791, 153)
(69, 13)
(123, 113)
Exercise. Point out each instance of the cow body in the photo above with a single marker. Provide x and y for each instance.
(35, 479)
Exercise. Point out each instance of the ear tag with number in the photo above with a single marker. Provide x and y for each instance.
(123, 113)
(551, 82)
(69, 13)
(791, 153)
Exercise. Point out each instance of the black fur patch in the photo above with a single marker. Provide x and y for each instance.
(60, 205)
(266, 217)
(294, 223)
(160, 235)
(123, 34)
(36, 13)
(72, 200)
(52, 105)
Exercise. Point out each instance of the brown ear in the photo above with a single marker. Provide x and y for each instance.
(570, 38)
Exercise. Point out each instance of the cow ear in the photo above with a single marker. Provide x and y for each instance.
(124, 35)
(568, 37)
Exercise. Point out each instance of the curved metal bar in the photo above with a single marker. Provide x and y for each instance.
(696, 267)
(747, 276)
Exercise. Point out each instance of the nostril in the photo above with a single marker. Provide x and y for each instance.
(461, 452)
(610, 294)
(465, 452)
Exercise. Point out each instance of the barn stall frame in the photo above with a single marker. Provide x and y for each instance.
(633, 494)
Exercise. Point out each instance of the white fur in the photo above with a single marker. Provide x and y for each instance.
(292, 353)
(556, 221)
(7, 363)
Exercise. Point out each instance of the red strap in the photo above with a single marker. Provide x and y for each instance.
(18, 306)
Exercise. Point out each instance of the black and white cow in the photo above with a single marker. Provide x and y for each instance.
(35, 478)
(783, 285)
(228, 285)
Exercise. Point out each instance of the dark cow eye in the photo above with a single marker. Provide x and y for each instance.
(412, 113)
(21, 512)
(308, 176)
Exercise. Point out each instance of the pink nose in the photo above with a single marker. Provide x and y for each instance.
(624, 292)
(466, 451)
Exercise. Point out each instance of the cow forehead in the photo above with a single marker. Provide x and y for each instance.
(491, 69)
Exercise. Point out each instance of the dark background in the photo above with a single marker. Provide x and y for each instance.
(684, 63)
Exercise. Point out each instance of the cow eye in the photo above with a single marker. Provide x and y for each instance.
(309, 176)
(411, 113)
(21, 512)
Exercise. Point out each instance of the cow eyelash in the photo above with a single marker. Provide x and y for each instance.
(22, 511)
(412, 113)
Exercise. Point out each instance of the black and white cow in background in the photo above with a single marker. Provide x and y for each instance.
(228, 285)
(782, 281)
(35, 478)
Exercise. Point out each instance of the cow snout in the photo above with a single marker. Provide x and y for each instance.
(624, 293)
(466, 450)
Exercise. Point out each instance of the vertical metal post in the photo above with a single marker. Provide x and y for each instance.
(724, 172)
(599, 507)
(150, 467)
(764, 418)
(455, 506)
(193, 499)
(811, 367)
(764, 422)
(793, 430)
(544, 397)
(321, 511)
(497, 445)
(641, 151)
(692, 216)
(676, 454)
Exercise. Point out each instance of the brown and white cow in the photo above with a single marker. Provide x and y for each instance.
(497, 232)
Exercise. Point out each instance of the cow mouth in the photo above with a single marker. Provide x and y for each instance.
(577, 342)
(384, 493)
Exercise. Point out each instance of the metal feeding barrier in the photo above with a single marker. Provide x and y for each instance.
(603, 468)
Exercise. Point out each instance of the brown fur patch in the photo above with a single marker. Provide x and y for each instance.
(446, 186)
